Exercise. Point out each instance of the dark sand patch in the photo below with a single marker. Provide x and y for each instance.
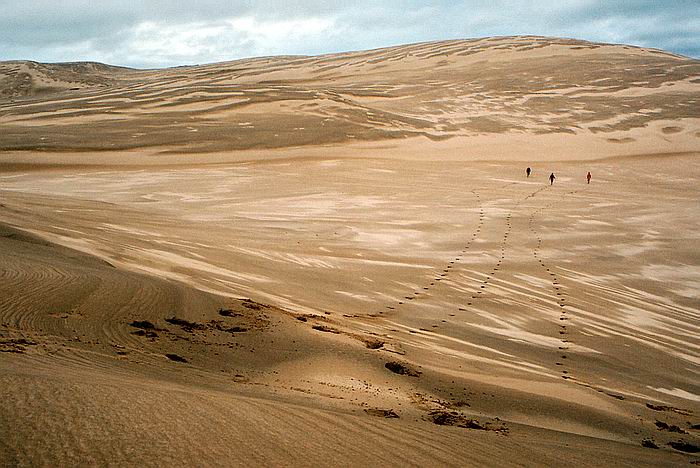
(175, 357)
(381, 413)
(671, 130)
(402, 369)
(683, 446)
(326, 328)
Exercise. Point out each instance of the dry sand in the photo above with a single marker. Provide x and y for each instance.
(378, 284)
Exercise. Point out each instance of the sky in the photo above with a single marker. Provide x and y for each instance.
(163, 33)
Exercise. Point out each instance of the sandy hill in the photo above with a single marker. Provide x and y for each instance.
(20, 79)
(477, 94)
(369, 277)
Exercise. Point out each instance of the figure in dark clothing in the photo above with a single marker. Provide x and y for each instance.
(527, 171)
(551, 178)
(588, 177)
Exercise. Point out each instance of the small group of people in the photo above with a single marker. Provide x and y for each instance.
(528, 171)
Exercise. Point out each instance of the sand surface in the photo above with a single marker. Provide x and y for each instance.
(411, 300)
(506, 98)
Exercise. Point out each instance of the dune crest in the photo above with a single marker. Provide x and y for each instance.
(368, 275)
(526, 92)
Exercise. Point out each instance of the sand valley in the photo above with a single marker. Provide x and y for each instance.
(340, 260)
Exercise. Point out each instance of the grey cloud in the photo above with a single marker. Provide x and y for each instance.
(112, 30)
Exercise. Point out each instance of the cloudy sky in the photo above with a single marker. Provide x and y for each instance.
(159, 33)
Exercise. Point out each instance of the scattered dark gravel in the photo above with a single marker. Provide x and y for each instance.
(662, 426)
(381, 413)
(444, 418)
(175, 357)
(649, 443)
(401, 369)
(249, 304)
(229, 313)
(185, 324)
(684, 446)
(325, 328)
(373, 344)
(143, 325)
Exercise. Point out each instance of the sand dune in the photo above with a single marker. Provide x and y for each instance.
(366, 276)
(595, 99)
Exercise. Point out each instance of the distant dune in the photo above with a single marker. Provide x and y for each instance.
(368, 276)
(467, 99)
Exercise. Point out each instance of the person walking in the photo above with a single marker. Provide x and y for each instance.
(588, 177)
(527, 171)
(551, 178)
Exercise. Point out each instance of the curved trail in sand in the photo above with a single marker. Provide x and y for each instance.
(484, 339)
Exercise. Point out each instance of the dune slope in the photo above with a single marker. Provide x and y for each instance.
(366, 276)
(570, 98)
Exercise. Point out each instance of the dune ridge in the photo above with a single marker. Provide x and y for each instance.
(486, 93)
(340, 259)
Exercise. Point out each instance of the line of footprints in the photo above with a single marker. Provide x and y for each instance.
(502, 255)
(561, 299)
(504, 242)
(444, 273)
(478, 292)
(497, 266)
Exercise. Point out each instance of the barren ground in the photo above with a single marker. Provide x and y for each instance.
(352, 296)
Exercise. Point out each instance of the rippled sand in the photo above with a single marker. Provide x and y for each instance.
(391, 290)
(566, 307)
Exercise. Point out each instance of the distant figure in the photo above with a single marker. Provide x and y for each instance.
(551, 178)
(588, 177)
(527, 171)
